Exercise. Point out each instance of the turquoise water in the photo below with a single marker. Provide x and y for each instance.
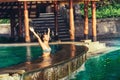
(102, 67)
(14, 55)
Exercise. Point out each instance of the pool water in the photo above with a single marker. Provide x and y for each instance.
(102, 67)
(13, 55)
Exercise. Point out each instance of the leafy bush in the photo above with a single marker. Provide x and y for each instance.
(107, 11)
(4, 21)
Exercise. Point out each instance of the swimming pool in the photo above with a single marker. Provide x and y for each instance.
(14, 55)
(63, 60)
(102, 67)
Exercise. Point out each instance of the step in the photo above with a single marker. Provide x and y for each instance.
(46, 18)
(46, 22)
(39, 19)
(63, 30)
(65, 39)
(64, 35)
(61, 24)
(43, 28)
(38, 25)
(60, 33)
(48, 14)
(86, 41)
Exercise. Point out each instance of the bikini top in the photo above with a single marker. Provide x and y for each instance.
(47, 50)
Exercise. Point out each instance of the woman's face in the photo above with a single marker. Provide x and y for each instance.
(45, 38)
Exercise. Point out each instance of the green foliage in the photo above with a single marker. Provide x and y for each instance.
(107, 2)
(106, 11)
(4, 21)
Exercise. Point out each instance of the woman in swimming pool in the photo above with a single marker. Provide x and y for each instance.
(45, 43)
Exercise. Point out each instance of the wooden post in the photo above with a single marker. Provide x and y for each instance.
(56, 17)
(26, 22)
(71, 15)
(86, 20)
(94, 33)
(12, 23)
(20, 20)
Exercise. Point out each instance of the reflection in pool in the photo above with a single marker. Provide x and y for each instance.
(101, 67)
(14, 55)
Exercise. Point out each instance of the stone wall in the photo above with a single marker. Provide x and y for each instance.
(106, 28)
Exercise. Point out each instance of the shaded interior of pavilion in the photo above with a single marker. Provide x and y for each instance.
(21, 13)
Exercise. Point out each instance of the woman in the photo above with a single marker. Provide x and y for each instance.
(45, 43)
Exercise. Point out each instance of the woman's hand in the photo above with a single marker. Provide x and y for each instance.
(48, 29)
(48, 33)
(32, 29)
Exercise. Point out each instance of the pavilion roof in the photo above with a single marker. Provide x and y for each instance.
(8, 7)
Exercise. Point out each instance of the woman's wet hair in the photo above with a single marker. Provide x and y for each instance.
(42, 37)
(44, 33)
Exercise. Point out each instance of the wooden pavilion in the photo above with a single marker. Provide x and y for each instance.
(21, 10)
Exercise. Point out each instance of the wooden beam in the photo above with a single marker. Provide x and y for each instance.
(71, 23)
(94, 33)
(45, 0)
(26, 23)
(8, 0)
(59, 0)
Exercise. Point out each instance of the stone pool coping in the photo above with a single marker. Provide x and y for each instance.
(35, 43)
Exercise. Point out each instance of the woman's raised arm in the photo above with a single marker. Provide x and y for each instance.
(37, 36)
(48, 32)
